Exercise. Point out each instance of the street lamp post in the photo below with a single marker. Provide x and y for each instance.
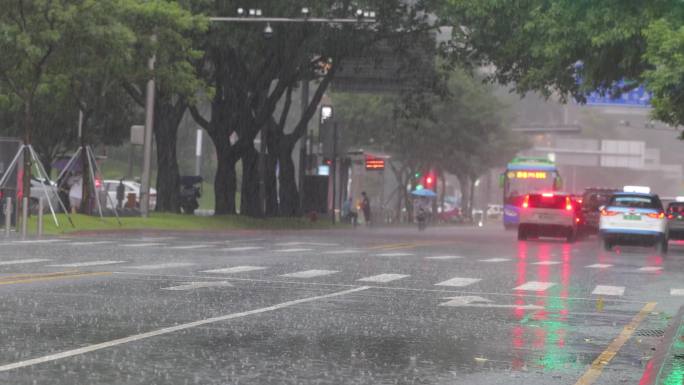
(252, 15)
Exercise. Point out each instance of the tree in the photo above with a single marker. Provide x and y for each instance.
(252, 76)
(166, 30)
(569, 47)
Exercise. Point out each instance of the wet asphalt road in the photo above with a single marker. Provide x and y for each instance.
(380, 306)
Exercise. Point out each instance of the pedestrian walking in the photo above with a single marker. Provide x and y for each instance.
(366, 208)
(120, 191)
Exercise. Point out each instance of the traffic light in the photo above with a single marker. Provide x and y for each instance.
(429, 181)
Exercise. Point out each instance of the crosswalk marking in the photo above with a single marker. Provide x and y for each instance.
(459, 282)
(343, 251)
(242, 248)
(293, 250)
(677, 292)
(198, 285)
(189, 247)
(599, 266)
(306, 244)
(309, 273)
(33, 241)
(22, 261)
(608, 290)
(494, 260)
(235, 269)
(394, 255)
(650, 268)
(534, 286)
(86, 264)
(142, 244)
(444, 257)
(91, 243)
(169, 265)
(383, 278)
(546, 263)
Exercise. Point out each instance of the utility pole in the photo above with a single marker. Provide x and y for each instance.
(302, 144)
(333, 172)
(147, 151)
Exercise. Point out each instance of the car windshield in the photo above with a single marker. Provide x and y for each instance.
(636, 201)
(594, 200)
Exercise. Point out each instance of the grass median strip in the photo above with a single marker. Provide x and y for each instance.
(29, 278)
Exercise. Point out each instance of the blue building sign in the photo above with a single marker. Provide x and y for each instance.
(636, 97)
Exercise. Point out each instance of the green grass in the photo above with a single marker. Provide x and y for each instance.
(164, 221)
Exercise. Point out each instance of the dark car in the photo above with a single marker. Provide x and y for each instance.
(675, 220)
(592, 199)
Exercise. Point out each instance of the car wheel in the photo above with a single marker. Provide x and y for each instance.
(572, 236)
(607, 245)
(661, 246)
(522, 233)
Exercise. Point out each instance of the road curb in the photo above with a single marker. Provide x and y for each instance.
(667, 364)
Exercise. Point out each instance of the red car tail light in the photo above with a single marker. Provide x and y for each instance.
(526, 202)
(659, 215)
(607, 213)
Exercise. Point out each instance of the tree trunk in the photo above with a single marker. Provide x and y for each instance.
(167, 119)
(289, 196)
(249, 199)
(271, 185)
(471, 182)
(225, 181)
(464, 186)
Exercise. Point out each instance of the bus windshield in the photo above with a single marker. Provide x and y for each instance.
(520, 183)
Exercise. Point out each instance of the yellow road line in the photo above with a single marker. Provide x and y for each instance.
(34, 275)
(48, 277)
(409, 245)
(593, 373)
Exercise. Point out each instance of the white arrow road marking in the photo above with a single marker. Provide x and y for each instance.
(235, 269)
(86, 264)
(383, 278)
(198, 285)
(21, 261)
(608, 290)
(309, 273)
(459, 282)
(475, 301)
(599, 266)
(534, 286)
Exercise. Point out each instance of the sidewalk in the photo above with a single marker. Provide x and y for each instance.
(667, 365)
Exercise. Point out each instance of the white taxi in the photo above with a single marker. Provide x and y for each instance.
(634, 217)
(549, 214)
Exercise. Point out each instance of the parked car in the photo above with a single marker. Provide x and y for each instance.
(132, 187)
(39, 188)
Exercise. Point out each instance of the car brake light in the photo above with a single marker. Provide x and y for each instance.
(607, 213)
(526, 202)
(547, 195)
(670, 216)
(577, 220)
(568, 204)
(659, 215)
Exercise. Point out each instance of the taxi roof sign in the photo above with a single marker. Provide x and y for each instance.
(679, 199)
(637, 189)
